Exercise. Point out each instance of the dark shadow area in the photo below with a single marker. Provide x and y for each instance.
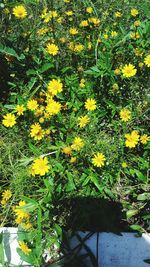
(93, 214)
(90, 215)
(4, 78)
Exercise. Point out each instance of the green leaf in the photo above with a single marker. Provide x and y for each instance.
(146, 216)
(2, 260)
(10, 51)
(27, 258)
(70, 185)
(144, 196)
(95, 182)
(64, 70)
(10, 106)
(146, 10)
(136, 227)
(86, 181)
(109, 193)
(28, 207)
(31, 72)
(34, 149)
(31, 83)
(46, 67)
(58, 229)
(94, 71)
(140, 176)
(29, 200)
(131, 213)
(24, 162)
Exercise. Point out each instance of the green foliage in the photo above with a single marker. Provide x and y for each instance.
(88, 65)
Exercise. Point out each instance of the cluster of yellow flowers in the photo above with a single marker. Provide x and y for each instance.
(6, 195)
(24, 247)
(133, 138)
(78, 42)
(22, 216)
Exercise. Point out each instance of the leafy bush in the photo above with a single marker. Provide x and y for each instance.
(74, 89)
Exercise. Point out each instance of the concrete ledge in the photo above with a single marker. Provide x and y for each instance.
(114, 250)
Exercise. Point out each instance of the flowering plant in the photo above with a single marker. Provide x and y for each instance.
(75, 81)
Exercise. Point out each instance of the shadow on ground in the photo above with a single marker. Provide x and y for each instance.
(91, 215)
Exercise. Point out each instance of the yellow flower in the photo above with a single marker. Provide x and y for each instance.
(118, 14)
(67, 150)
(42, 31)
(23, 246)
(137, 23)
(144, 139)
(129, 70)
(44, 13)
(54, 14)
(62, 39)
(125, 115)
(6, 195)
(47, 17)
(77, 144)
(20, 12)
(89, 45)
(53, 107)
(94, 20)
(106, 36)
(47, 132)
(26, 225)
(40, 166)
(115, 86)
(21, 213)
(9, 120)
(90, 104)
(134, 12)
(73, 159)
(69, 13)
(80, 68)
(20, 109)
(78, 48)
(36, 131)
(60, 20)
(3, 202)
(84, 23)
(135, 35)
(41, 120)
(55, 87)
(98, 160)
(147, 61)
(18, 220)
(117, 71)
(6, 11)
(52, 49)
(67, 1)
(114, 34)
(32, 104)
(89, 10)
(82, 83)
(83, 121)
(138, 52)
(124, 165)
(73, 31)
(132, 139)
